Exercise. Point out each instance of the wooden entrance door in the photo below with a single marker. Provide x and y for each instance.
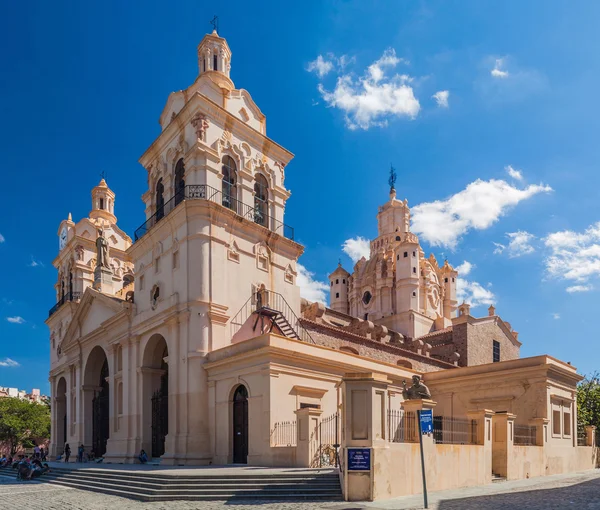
(240, 426)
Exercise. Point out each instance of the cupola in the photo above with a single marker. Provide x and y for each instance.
(103, 203)
(214, 60)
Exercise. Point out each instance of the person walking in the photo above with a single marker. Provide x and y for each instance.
(80, 453)
(67, 452)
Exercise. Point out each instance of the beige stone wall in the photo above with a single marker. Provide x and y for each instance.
(474, 343)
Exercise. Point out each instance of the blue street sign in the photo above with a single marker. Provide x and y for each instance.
(359, 459)
(426, 421)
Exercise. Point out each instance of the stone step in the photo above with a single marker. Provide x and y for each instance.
(220, 494)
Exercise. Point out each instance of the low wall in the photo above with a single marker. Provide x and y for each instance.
(280, 456)
(526, 462)
(568, 459)
(397, 468)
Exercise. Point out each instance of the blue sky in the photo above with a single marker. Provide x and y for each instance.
(488, 111)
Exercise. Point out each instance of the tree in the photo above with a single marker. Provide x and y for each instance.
(588, 401)
(22, 422)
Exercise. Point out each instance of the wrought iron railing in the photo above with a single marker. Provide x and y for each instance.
(581, 438)
(269, 301)
(284, 433)
(402, 426)
(257, 215)
(71, 296)
(449, 430)
(525, 435)
(325, 443)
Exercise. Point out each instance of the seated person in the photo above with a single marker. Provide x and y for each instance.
(143, 457)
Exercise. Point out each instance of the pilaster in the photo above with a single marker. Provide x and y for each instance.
(308, 429)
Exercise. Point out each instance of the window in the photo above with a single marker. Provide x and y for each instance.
(405, 254)
(157, 265)
(414, 253)
(414, 270)
(215, 60)
(228, 188)
(142, 282)
(556, 422)
(160, 200)
(337, 294)
(397, 238)
(175, 259)
(305, 405)
(366, 299)
(337, 281)
(397, 257)
(101, 203)
(496, 351)
(567, 421)
(414, 294)
(261, 196)
(332, 283)
(179, 182)
(344, 281)
(203, 65)
(445, 280)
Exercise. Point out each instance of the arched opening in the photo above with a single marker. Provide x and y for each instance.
(350, 350)
(240, 425)
(261, 196)
(155, 373)
(61, 415)
(229, 183)
(404, 363)
(160, 200)
(179, 182)
(96, 402)
(127, 279)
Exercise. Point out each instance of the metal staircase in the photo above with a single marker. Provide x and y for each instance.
(266, 305)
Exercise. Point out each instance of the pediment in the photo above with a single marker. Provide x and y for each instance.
(94, 310)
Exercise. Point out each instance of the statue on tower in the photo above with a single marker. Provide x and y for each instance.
(101, 250)
(392, 182)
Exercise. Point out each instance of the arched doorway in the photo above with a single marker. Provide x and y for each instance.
(240, 425)
(61, 415)
(96, 403)
(156, 395)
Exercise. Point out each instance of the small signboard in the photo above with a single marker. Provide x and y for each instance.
(426, 421)
(359, 459)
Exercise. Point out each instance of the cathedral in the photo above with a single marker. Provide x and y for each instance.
(190, 339)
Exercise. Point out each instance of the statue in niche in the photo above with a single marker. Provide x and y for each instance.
(200, 123)
(102, 251)
(417, 391)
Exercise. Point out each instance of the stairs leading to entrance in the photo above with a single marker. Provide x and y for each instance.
(147, 486)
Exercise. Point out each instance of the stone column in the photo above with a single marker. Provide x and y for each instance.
(541, 430)
(483, 436)
(590, 434)
(502, 445)
(52, 452)
(364, 418)
(308, 436)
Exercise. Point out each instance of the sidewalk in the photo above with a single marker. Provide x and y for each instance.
(572, 490)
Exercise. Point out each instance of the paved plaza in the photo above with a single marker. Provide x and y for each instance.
(580, 490)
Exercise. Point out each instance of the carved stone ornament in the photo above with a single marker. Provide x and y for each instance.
(417, 391)
(200, 123)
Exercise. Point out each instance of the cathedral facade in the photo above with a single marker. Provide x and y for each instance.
(190, 339)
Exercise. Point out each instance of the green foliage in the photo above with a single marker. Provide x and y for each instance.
(22, 422)
(588, 401)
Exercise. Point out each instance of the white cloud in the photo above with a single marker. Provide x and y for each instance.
(519, 244)
(311, 289)
(7, 362)
(2, 238)
(35, 263)
(499, 248)
(441, 98)
(356, 248)
(373, 98)
(497, 71)
(478, 206)
(574, 256)
(15, 320)
(464, 269)
(556, 316)
(514, 173)
(320, 66)
(473, 293)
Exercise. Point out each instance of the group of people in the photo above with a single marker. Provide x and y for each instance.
(82, 455)
(26, 467)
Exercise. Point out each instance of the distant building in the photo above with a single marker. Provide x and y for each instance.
(34, 396)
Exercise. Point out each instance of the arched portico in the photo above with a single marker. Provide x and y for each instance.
(155, 400)
(96, 402)
(60, 415)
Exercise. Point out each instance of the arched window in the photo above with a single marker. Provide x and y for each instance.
(261, 196)
(127, 280)
(229, 189)
(179, 183)
(215, 60)
(160, 200)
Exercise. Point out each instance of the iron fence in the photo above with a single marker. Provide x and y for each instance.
(325, 442)
(525, 435)
(284, 433)
(450, 430)
(402, 426)
(256, 214)
(69, 296)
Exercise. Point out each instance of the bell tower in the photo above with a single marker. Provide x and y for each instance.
(103, 203)
(214, 56)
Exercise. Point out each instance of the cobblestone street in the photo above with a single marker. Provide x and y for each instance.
(581, 491)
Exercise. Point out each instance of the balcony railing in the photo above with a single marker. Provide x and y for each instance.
(257, 215)
(71, 296)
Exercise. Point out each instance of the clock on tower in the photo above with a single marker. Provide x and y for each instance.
(62, 238)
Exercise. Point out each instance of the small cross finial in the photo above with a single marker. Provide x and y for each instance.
(392, 179)
(215, 23)
(103, 175)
